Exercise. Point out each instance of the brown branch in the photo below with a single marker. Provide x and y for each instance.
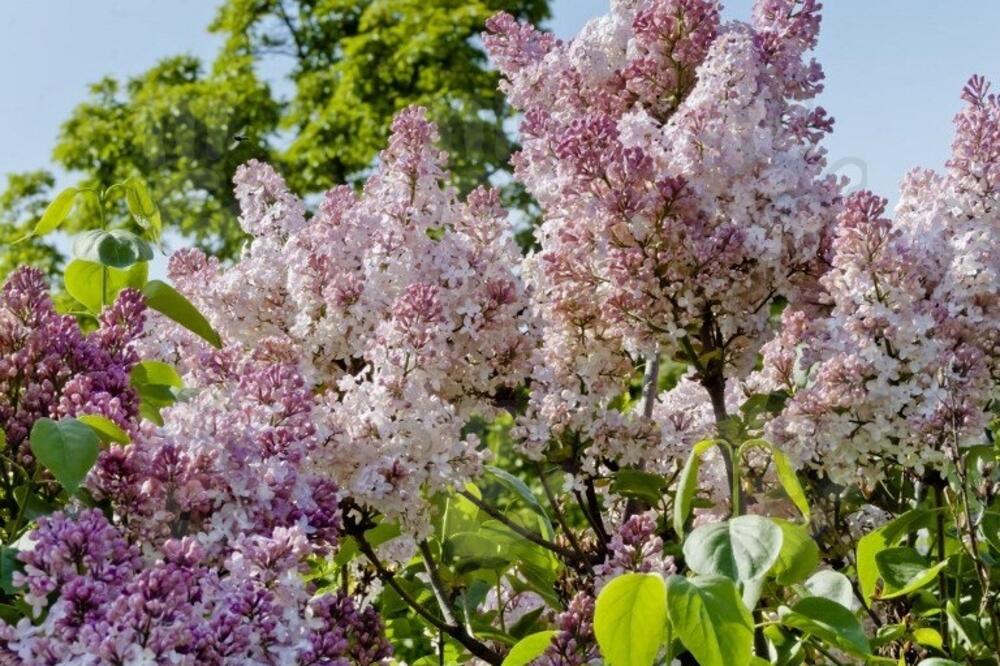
(530, 535)
(457, 632)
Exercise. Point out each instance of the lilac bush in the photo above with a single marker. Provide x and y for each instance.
(722, 413)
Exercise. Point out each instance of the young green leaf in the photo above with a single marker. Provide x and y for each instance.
(878, 540)
(156, 372)
(708, 616)
(84, 282)
(142, 208)
(787, 477)
(832, 585)
(741, 549)
(799, 554)
(168, 301)
(116, 248)
(67, 448)
(630, 618)
(828, 621)
(687, 483)
(519, 488)
(56, 212)
(904, 571)
(528, 649)
(106, 429)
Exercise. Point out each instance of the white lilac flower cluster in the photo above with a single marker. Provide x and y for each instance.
(902, 369)
(401, 308)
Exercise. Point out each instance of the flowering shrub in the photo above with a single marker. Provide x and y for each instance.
(204, 527)
(401, 308)
(725, 413)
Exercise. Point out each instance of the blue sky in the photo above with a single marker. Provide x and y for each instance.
(895, 68)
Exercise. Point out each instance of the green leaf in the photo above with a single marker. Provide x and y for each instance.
(878, 540)
(116, 248)
(376, 536)
(787, 477)
(143, 209)
(106, 429)
(630, 618)
(990, 527)
(34, 506)
(635, 483)
(832, 585)
(168, 301)
(528, 649)
(56, 212)
(687, 483)
(709, 618)
(938, 661)
(904, 571)
(741, 549)
(799, 554)
(156, 372)
(8, 564)
(67, 448)
(83, 281)
(519, 488)
(828, 621)
(928, 636)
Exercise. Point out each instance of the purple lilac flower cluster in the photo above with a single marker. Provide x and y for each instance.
(117, 605)
(50, 369)
(208, 523)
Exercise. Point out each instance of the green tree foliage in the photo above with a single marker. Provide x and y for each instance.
(21, 206)
(310, 84)
(358, 62)
(179, 127)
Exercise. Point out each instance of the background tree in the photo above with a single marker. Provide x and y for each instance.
(337, 71)
(21, 205)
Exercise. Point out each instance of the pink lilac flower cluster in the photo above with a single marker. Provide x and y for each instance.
(234, 457)
(401, 308)
(903, 367)
(681, 181)
(115, 606)
(50, 369)
(574, 643)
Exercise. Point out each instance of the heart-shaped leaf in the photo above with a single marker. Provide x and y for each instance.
(630, 618)
(117, 248)
(85, 281)
(834, 586)
(709, 618)
(741, 549)
(67, 448)
(904, 571)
